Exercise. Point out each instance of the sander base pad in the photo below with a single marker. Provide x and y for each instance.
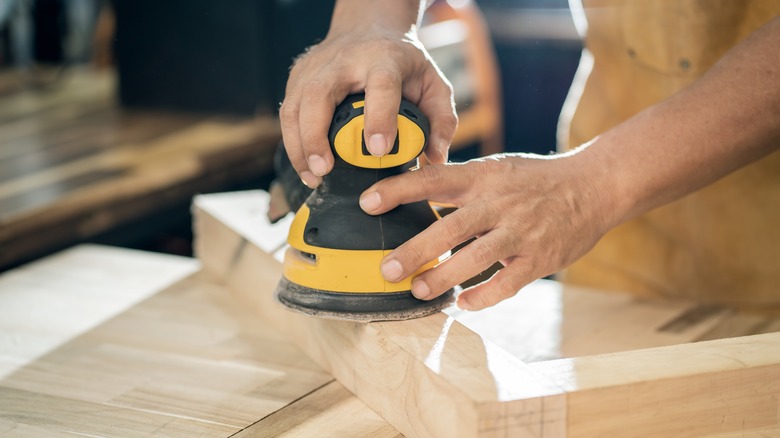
(360, 307)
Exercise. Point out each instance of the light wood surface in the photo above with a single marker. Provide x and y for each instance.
(74, 165)
(447, 380)
(100, 341)
(328, 411)
(427, 377)
(46, 304)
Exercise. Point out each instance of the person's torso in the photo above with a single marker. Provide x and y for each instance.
(721, 244)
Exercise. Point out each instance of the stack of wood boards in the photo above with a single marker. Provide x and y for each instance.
(73, 164)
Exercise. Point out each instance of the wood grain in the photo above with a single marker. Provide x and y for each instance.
(74, 165)
(449, 381)
(112, 342)
(444, 379)
(328, 411)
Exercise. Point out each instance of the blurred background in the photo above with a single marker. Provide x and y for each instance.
(113, 114)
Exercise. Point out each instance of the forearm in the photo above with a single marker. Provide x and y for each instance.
(727, 119)
(393, 16)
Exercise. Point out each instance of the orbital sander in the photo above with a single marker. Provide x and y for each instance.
(331, 269)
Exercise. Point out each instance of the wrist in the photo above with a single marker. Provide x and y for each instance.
(386, 17)
(594, 172)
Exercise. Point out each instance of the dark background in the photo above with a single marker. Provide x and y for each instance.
(202, 55)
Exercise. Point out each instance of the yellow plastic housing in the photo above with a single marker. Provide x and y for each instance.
(411, 141)
(338, 270)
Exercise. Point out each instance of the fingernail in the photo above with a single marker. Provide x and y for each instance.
(420, 290)
(318, 165)
(392, 270)
(377, 145)
(464, 305)
(370, 202)
(309, 179)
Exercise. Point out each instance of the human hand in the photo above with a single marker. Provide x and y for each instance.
(535, 214)
(364, 58)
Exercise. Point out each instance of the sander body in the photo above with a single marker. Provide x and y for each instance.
(332, 267)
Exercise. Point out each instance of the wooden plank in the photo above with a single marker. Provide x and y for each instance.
(46, 304)
(80, 85)
(97, 341)
(550, 320)
(682, 390)
(742, 324)
(49, 123)
(764, 432)
(445, 379)
(330, 410)
(449, 381)
(73, 165)
(39, 197)
(61, 415)
(50, 146)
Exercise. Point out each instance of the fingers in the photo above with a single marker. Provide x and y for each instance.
(316, 114)
(383, 98)
(465, 264)
(306, 115)
(441, 183)
(291, 137)
(440, 237)
(439, 106)
(504, 284)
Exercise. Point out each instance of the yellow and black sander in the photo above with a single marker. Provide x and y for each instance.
(332, 267)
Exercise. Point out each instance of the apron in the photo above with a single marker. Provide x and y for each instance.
(720, 244)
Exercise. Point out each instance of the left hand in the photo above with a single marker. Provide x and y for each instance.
(535, 214)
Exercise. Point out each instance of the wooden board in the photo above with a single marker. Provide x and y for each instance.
(73, 164)
(329, 411)
(101, 341)
(447, 380)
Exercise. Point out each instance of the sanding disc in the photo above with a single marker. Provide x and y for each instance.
(360, 307)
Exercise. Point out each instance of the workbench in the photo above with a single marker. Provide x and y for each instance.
(104, 341)
(75, 166)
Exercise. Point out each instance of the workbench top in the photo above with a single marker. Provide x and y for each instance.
(102, 341)
(75, 165)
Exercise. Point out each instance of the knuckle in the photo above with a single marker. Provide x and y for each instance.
(446, 84)
(451, 121)
(296, 159)
(391, 190)
(310, 140)
(432, 176)
(389, 47)
(533, 263)
(314, 89)
(438, 281)
(484, 254)
(509, 286)
(457, 226)
(385, 79)
(417, 253)
(288, 112)
(303, 57)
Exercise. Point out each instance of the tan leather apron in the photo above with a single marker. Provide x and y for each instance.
(721, 244)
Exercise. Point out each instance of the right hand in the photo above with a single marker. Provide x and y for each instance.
(383, 64)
